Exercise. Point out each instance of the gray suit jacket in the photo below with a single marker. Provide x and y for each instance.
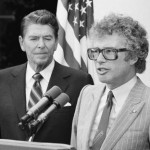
(131, 129)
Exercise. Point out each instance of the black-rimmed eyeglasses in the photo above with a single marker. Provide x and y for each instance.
(108, 53)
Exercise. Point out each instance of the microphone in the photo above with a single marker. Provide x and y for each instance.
(46, 100)
(58, 102)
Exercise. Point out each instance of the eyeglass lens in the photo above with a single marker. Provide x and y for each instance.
(109, 54)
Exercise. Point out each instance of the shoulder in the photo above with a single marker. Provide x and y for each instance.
(141, 91)
(69, 70)
(90, 94)
(140, 85)
(12, 69)
(92, 90)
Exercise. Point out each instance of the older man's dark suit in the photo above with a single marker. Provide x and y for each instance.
(57, 129)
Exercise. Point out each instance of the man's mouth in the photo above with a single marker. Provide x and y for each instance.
(102, 70)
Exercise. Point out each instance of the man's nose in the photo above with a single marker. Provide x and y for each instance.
(41, 43)
(101, 58)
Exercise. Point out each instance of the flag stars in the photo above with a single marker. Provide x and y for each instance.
(88, 3)
(81, 23)
(83, 10)
(70, 7)
(75, 21)
(76, 6)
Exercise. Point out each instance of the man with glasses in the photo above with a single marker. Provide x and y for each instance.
(119, 48)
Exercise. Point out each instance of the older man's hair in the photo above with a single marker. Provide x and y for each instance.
(43, 17)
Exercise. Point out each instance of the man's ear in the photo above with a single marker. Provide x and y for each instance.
(133, 60)
(21, 42)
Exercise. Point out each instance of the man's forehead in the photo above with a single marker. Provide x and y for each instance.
(35, 29)
(113, 39)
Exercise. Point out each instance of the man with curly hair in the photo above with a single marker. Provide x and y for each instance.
(119, 48)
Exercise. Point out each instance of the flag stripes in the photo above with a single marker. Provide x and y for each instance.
(73, 26)
(68, 53)
(75, 18)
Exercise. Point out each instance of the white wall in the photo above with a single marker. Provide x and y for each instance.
(138, 9)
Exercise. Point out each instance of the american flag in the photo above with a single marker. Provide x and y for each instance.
(75, 17)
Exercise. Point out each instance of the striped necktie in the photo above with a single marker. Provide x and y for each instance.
(36, 91)
(102, 128)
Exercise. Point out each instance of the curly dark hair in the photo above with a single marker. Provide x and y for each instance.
(135, 34)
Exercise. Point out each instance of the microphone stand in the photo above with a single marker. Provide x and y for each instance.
(32, 130)
(35, 125)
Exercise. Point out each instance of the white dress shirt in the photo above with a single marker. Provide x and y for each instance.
(46, 73)
(120, 95)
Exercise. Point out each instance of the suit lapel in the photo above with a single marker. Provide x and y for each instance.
(87, 116)
(59, 78)
(130, 111)
(18, 90)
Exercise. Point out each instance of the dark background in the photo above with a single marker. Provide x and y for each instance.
(11, 13)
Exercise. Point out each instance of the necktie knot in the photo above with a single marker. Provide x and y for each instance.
(37, 77)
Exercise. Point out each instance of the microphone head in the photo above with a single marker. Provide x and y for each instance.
(62, 99)
(53, 92)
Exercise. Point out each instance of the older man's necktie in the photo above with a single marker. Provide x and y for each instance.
(36, 91)
(102, 128)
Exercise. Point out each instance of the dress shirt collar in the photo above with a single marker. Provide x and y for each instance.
(46, 73)
(121, 93)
